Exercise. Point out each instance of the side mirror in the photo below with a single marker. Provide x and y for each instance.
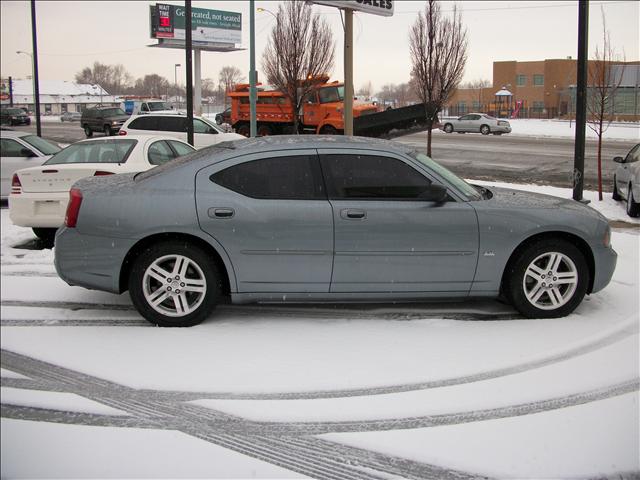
(618, 159)
(27, 152)
(435, 193)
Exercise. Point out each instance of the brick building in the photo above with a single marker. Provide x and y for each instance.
(542, 89)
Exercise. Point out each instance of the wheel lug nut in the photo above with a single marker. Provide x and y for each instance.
(544, 284)
(168, 289)
(551, 285)
(555, 278)
(169, 280)
(544, 276)
(177, 277)
(177, 290)
(182, 284)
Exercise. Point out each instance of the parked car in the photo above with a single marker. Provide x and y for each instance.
(71, 117)
(325, 218)
(626, 181)
(102, 119)
(224, 117)
(19, 150)
(39, 195)
(206, 133)
(478, 123)
(14, 116)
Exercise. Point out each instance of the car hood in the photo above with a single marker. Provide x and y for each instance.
(506, 198)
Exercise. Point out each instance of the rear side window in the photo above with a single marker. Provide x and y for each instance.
(160, 153)
(94, 152)
(284, 178)
(10, 148)
(372, 177)
(181, 148)
(47, 148)
(172, 124)
(144, 123)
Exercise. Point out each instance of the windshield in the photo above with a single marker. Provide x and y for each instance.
(468, 190)
(331, 94)
(110, 112)
(97, 151)
(157, 106)
(47, 148)
(13, 111)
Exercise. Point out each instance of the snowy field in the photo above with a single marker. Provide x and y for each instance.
(453, 391)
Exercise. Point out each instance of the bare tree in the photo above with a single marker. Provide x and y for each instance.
(438, 47)
(604, 79)
(113, 78)
(365, 90)
(477, 86)
(152, 85)
(300, 50)
(228, 78)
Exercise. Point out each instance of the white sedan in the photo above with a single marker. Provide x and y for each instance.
(205, 133)
(19, 150)
(478, 123)
(39, 195)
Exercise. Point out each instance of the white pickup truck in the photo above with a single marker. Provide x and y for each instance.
(142, 107)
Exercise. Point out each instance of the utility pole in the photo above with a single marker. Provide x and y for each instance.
(36, 86)
(187, 47)
(253, 124)
(348, 71)
(581, 99)
(11, 92)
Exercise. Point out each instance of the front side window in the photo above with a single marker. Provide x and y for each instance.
(200, 127)
(94, 152)
(284, 178)
(47, 148)
(10, 148)
(160, 153)
(330, 94)
(372, 177)
(633, 155)
(450, 177)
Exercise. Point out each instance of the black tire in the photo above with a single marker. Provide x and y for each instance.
(515, 281)
(204, 303)
(264, 130)
(615, 195)
(45, 234)
(107, 131)
(328, 130)
(485, 130)
(448, 128)
(633, 207)
(243, 129)
(87, 131)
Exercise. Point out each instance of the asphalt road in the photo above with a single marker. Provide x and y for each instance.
(506, 158)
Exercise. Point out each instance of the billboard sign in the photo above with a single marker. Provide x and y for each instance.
(207, 26)
(376, 7)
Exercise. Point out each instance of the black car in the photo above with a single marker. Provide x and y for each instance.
(224, 117)
(14, 116)
(103, 119)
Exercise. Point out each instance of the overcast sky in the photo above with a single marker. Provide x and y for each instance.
(72, 35)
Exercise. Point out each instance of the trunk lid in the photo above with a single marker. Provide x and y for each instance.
(60, 178)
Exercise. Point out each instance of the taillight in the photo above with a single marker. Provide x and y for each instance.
(122, 133)
(73, 209)
(16, 186)
(100, 173)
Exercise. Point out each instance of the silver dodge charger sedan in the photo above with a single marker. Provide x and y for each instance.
(324, 218)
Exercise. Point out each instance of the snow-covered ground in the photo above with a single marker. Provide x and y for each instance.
(469, 390)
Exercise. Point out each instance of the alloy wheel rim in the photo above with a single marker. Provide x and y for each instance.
(550, 281)
(174, 285)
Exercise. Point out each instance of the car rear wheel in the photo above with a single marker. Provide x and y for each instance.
(243, 129)
(88, 132)
(548, 279)
(264, 131)
(615, 195)
(485, 130)
(174, 284)
(448, 128)
(46, 234)
(633, 207)
(328, 130)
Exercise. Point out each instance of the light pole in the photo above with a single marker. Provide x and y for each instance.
(175, 74)
(260, 9)
(32, 76)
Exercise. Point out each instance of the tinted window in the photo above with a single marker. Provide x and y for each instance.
(10, 148)
(181, 148)
(172, 124)
(273, 178)
(110, 112)
(159, 153)
(372, 177)
(144, 123)
(94, 152)
(200, 127)
(47, 148)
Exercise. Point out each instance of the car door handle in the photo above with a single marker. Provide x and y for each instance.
(221, 212)
(353, 214)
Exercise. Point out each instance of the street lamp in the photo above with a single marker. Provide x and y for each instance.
(175, 77)
(260, 9)
(33, 78)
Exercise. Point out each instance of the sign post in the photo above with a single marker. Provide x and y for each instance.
(375, 7)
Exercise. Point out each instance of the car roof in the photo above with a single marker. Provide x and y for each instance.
(141, 137)
(176, 114)
(14, 134)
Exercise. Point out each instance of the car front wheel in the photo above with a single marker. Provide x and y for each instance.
(88, 132)
(633, 207)
(174, 284)
(615, 195)
(448, 128)
(548, 279)
(485, 130)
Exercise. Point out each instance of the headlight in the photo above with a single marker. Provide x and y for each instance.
(114, 122)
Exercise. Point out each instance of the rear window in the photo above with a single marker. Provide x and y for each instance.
(113, 151)
(13, 111)
(47, 148)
